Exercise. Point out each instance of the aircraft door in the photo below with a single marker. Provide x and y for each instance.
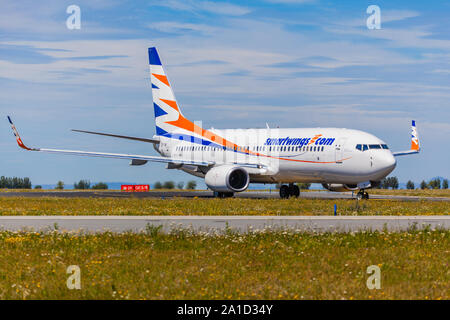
(340, 145)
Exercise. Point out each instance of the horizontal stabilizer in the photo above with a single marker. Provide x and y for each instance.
(404, 153)
(118, 136)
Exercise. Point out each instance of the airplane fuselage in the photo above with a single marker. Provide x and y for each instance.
(317, 155)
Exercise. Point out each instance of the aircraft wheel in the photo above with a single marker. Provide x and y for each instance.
(362, 195)
(223, 194)
(294, 191)
(284, 191)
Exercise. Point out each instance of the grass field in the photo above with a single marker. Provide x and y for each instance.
(445, 193)
(414, 265)
(211, 206)
(434, 193)
(399, 192)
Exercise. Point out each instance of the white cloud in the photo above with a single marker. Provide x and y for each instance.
(444, 71)
(215, 7)
(49, 20)
(386, 17)
(179, 27)
(397, 15)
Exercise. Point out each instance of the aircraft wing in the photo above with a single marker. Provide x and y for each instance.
(135, 157)
(107, 155)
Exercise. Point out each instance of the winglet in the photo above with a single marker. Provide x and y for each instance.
(16, 134)
(415, 143)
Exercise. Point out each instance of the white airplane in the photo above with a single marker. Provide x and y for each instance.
(230, 159)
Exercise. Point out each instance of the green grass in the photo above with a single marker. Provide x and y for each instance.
(211, 206)
(442, 193)
(280, 265)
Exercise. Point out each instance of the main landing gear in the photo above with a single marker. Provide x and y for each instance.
(223, 194)
(362, 195)
(290, 190)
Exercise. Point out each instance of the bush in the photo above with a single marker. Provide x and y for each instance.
(60, 185)
(410, 185)
(100, 186)
(423, 185)
(391, 182)
(82, 185)
(445, 184)
(180, 185)
(169, 185)
(191, 185)
(38, 187)
(435, 184)
(157, 185)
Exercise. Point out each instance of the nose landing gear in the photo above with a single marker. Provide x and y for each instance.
(362, 195)
(290, 190)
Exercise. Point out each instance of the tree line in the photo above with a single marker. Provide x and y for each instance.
(191, 185)
(25, 183)
(15, 183)
(436, 183)
(83, 185)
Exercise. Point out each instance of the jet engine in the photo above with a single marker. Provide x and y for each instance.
(337, 187)
(227, 179)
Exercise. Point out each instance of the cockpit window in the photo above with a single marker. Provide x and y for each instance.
(365, 147)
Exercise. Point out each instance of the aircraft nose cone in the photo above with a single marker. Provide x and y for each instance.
(388, 162)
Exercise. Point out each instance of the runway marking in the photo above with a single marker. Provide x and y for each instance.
(220, 224)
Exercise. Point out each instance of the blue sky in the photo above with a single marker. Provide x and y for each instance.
(291, 63)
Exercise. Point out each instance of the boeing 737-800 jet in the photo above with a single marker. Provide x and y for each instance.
(228, 160)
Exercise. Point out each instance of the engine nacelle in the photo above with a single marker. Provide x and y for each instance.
(338, 187)
(227, 179)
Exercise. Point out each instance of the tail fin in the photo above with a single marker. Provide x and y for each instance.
(164, 102)
(415, 144)
(169, 120)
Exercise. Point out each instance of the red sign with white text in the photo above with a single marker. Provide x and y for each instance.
(135, 187)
